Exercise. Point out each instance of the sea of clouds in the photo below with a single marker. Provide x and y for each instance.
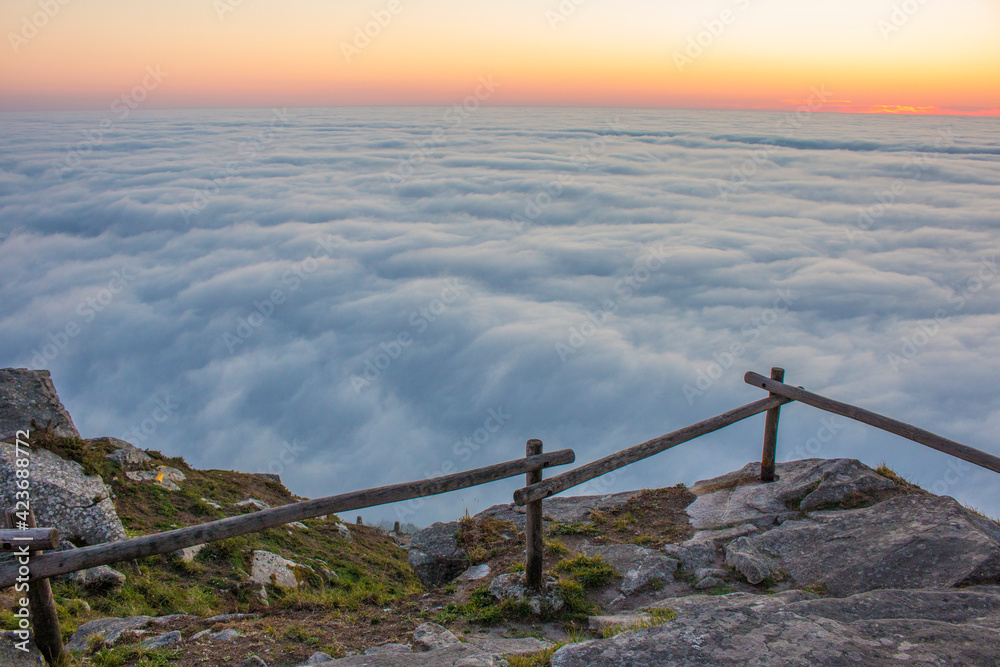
(358, 297)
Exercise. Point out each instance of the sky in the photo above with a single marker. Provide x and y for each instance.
(356, 297)
(876, 56)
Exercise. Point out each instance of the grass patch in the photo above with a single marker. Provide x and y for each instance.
(590, 571)
(486, 538)
(541, 659)
(574, 528)
(655, 617)
(483, 609)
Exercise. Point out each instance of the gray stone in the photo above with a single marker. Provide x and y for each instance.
(269, 568)
(253, 661)
(344, 531)
(226, 635)
(692, 555)
(163, 476)
(475, 573)
(435, 554)
(298, 525)
(710, 572)
(127, 455)
(63, 497)
(458, 655)
(708, 582)
(30, 396)
(11, 656)
(508, 586)
(254, 504)
(431, 636)
(638, 566)
(564, 509)
(499, 646)
(210, 503)
(750, 561)
(317, 658)
(161, 641)
(100, 579)
(269, 476)
(108, 628)
(739, 497)
(876, 628)
(188, 554)
(915, 541)
(714, 539)
(389, 649)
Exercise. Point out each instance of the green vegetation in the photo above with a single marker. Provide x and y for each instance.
(590, 571)
(486, 538)
(482, 608)
(654, 617)
(574, 528)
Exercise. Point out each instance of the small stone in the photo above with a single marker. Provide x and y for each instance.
(161, 641)
(431, 637)
(708, 582)
(269, 568)
(210, 503)
(297, 524)
(253, 661)
(475, 573)
(318, 658)
(389, 649)
(508, 586)
(187, 554)
(256, 505)
(704, 572)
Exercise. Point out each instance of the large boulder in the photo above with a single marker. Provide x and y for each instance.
(29, 396)
(63, 496)
(739, 498)
(797, 629)
(435, 554)
(916, 541)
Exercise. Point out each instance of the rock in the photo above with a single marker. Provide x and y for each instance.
(254, 504)
(226, 635)
(162, 641)
(108, 628)
(269, 568)
(210, 503)
(740, 498)
(475, 573)
(639, 567)
(703, 572)
(164, 476)
(499, 646)
(253, 661)
(435, 554)
(344, 531)
(30, 396)
(714, 539)
(886, 627)
(317, 658)
(225, 618)
(389, 649)
(693, 556)
(431, 637)
(63, 497)
(188, 554)
(269, 476)
(708, 582)
(127, 455)
(458, 655)
(913, 541)
(100, 579)
(11, 656)
(508, 586)
(297, 524)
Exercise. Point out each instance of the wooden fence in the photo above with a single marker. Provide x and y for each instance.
(43, 566)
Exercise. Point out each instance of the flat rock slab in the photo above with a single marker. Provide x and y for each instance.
(459, 655)
(743, 629)
(108, 628)
(740, 498)
(914, 541)
(30, 395)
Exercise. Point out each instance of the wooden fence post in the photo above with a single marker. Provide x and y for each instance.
(42, 607)
(533, 528)
(771, 434)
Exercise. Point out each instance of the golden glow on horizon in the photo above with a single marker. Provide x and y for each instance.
(723, 54)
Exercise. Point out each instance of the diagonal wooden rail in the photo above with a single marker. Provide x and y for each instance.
(585, 473)
(61, 562)
(895, 426)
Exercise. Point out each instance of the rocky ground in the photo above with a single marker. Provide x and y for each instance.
(834, 563)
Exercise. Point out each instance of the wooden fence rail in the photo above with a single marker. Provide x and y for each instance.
(899, 428)
(61, 562)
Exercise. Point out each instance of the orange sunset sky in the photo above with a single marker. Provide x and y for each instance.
(873, 56)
